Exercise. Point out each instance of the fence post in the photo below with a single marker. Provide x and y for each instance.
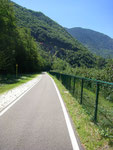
(96, 103)
(74, 87)
(81, 91)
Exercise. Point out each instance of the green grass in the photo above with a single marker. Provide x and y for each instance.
(105, 110)
(89, 133)
(9, 82)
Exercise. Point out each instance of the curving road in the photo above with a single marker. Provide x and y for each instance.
(36, 121)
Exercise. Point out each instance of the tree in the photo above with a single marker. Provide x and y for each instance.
(7, 37)
(17, 45)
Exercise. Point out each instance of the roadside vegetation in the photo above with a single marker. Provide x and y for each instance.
(92, 136)
(99, 72)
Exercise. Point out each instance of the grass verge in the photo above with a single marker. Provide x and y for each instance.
(88, 132)
(9, 82)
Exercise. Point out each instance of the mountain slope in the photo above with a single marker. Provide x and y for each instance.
(43, 28)
(53, 38)
(96, 42)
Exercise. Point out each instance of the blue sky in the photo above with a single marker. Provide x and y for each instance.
(90, 14)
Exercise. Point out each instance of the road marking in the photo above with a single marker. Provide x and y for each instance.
(17, 99)
(68, 123)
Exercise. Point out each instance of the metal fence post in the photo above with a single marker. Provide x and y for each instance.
(81, 91)
(96, 102)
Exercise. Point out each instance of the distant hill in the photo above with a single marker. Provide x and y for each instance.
(54, 38)
(96, 42)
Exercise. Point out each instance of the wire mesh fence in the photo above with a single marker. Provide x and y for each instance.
(95, 96)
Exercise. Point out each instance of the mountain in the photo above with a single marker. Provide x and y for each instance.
(96, 42)
(53, 38)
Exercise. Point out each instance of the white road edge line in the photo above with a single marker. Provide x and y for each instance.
(10, 105)
(68, 123)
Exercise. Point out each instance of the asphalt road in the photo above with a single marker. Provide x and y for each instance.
(36, 121)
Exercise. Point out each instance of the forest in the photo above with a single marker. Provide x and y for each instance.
(37, 43)
(17, 45)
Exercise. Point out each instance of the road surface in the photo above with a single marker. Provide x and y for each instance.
(36, 121)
